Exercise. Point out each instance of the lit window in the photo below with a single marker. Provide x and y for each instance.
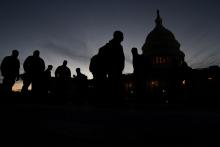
(164, 60)
(160, 60)
(154, 83)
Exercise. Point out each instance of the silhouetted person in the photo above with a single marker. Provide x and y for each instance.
(10, 71)
(47, 79)
(47, 72)
(99, 71)
(63, 72)
(34, 67)
(81, 85)
(97, 68)
(136, 61)
(113, 55)
(63, 76)
(79, 75)
(114, 59)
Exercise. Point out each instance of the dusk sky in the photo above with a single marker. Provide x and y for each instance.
(74, 30)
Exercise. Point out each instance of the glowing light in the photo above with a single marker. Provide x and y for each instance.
(154, 83)
(184, 82)
(18, 86)
(210, 78)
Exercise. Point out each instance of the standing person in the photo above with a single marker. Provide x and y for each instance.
(79, 75)
(10, 71)
(113, 55)
(81, 86)
(63, 79)
(114, 59)
(98, 69)
(34, 67)
(47, 86)
(63, 72)
(47, 72)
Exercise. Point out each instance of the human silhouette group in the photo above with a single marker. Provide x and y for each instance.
(108, 83)
(106, 67)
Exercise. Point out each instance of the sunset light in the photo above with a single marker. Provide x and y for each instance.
(18, 86)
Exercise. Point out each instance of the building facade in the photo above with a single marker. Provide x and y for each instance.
(162, 67)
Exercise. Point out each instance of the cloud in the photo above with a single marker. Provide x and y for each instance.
(75, 50)
(205, 58)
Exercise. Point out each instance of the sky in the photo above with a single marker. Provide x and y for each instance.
(74, 30)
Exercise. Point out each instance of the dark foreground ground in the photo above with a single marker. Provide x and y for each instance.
(69, 125)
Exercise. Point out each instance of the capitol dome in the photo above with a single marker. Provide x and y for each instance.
(161, 41)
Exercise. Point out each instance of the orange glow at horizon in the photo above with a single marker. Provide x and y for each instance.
(18, 86)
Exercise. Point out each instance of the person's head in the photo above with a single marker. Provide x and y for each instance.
(36, 53)
(65, 63)
(118, 35)
(78, 70)
(50, 67)
(15, 53)
(134, 51)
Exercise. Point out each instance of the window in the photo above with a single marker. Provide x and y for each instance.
(154, 83)
(161, 60)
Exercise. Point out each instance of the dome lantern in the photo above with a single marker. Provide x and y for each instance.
(158, 20)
